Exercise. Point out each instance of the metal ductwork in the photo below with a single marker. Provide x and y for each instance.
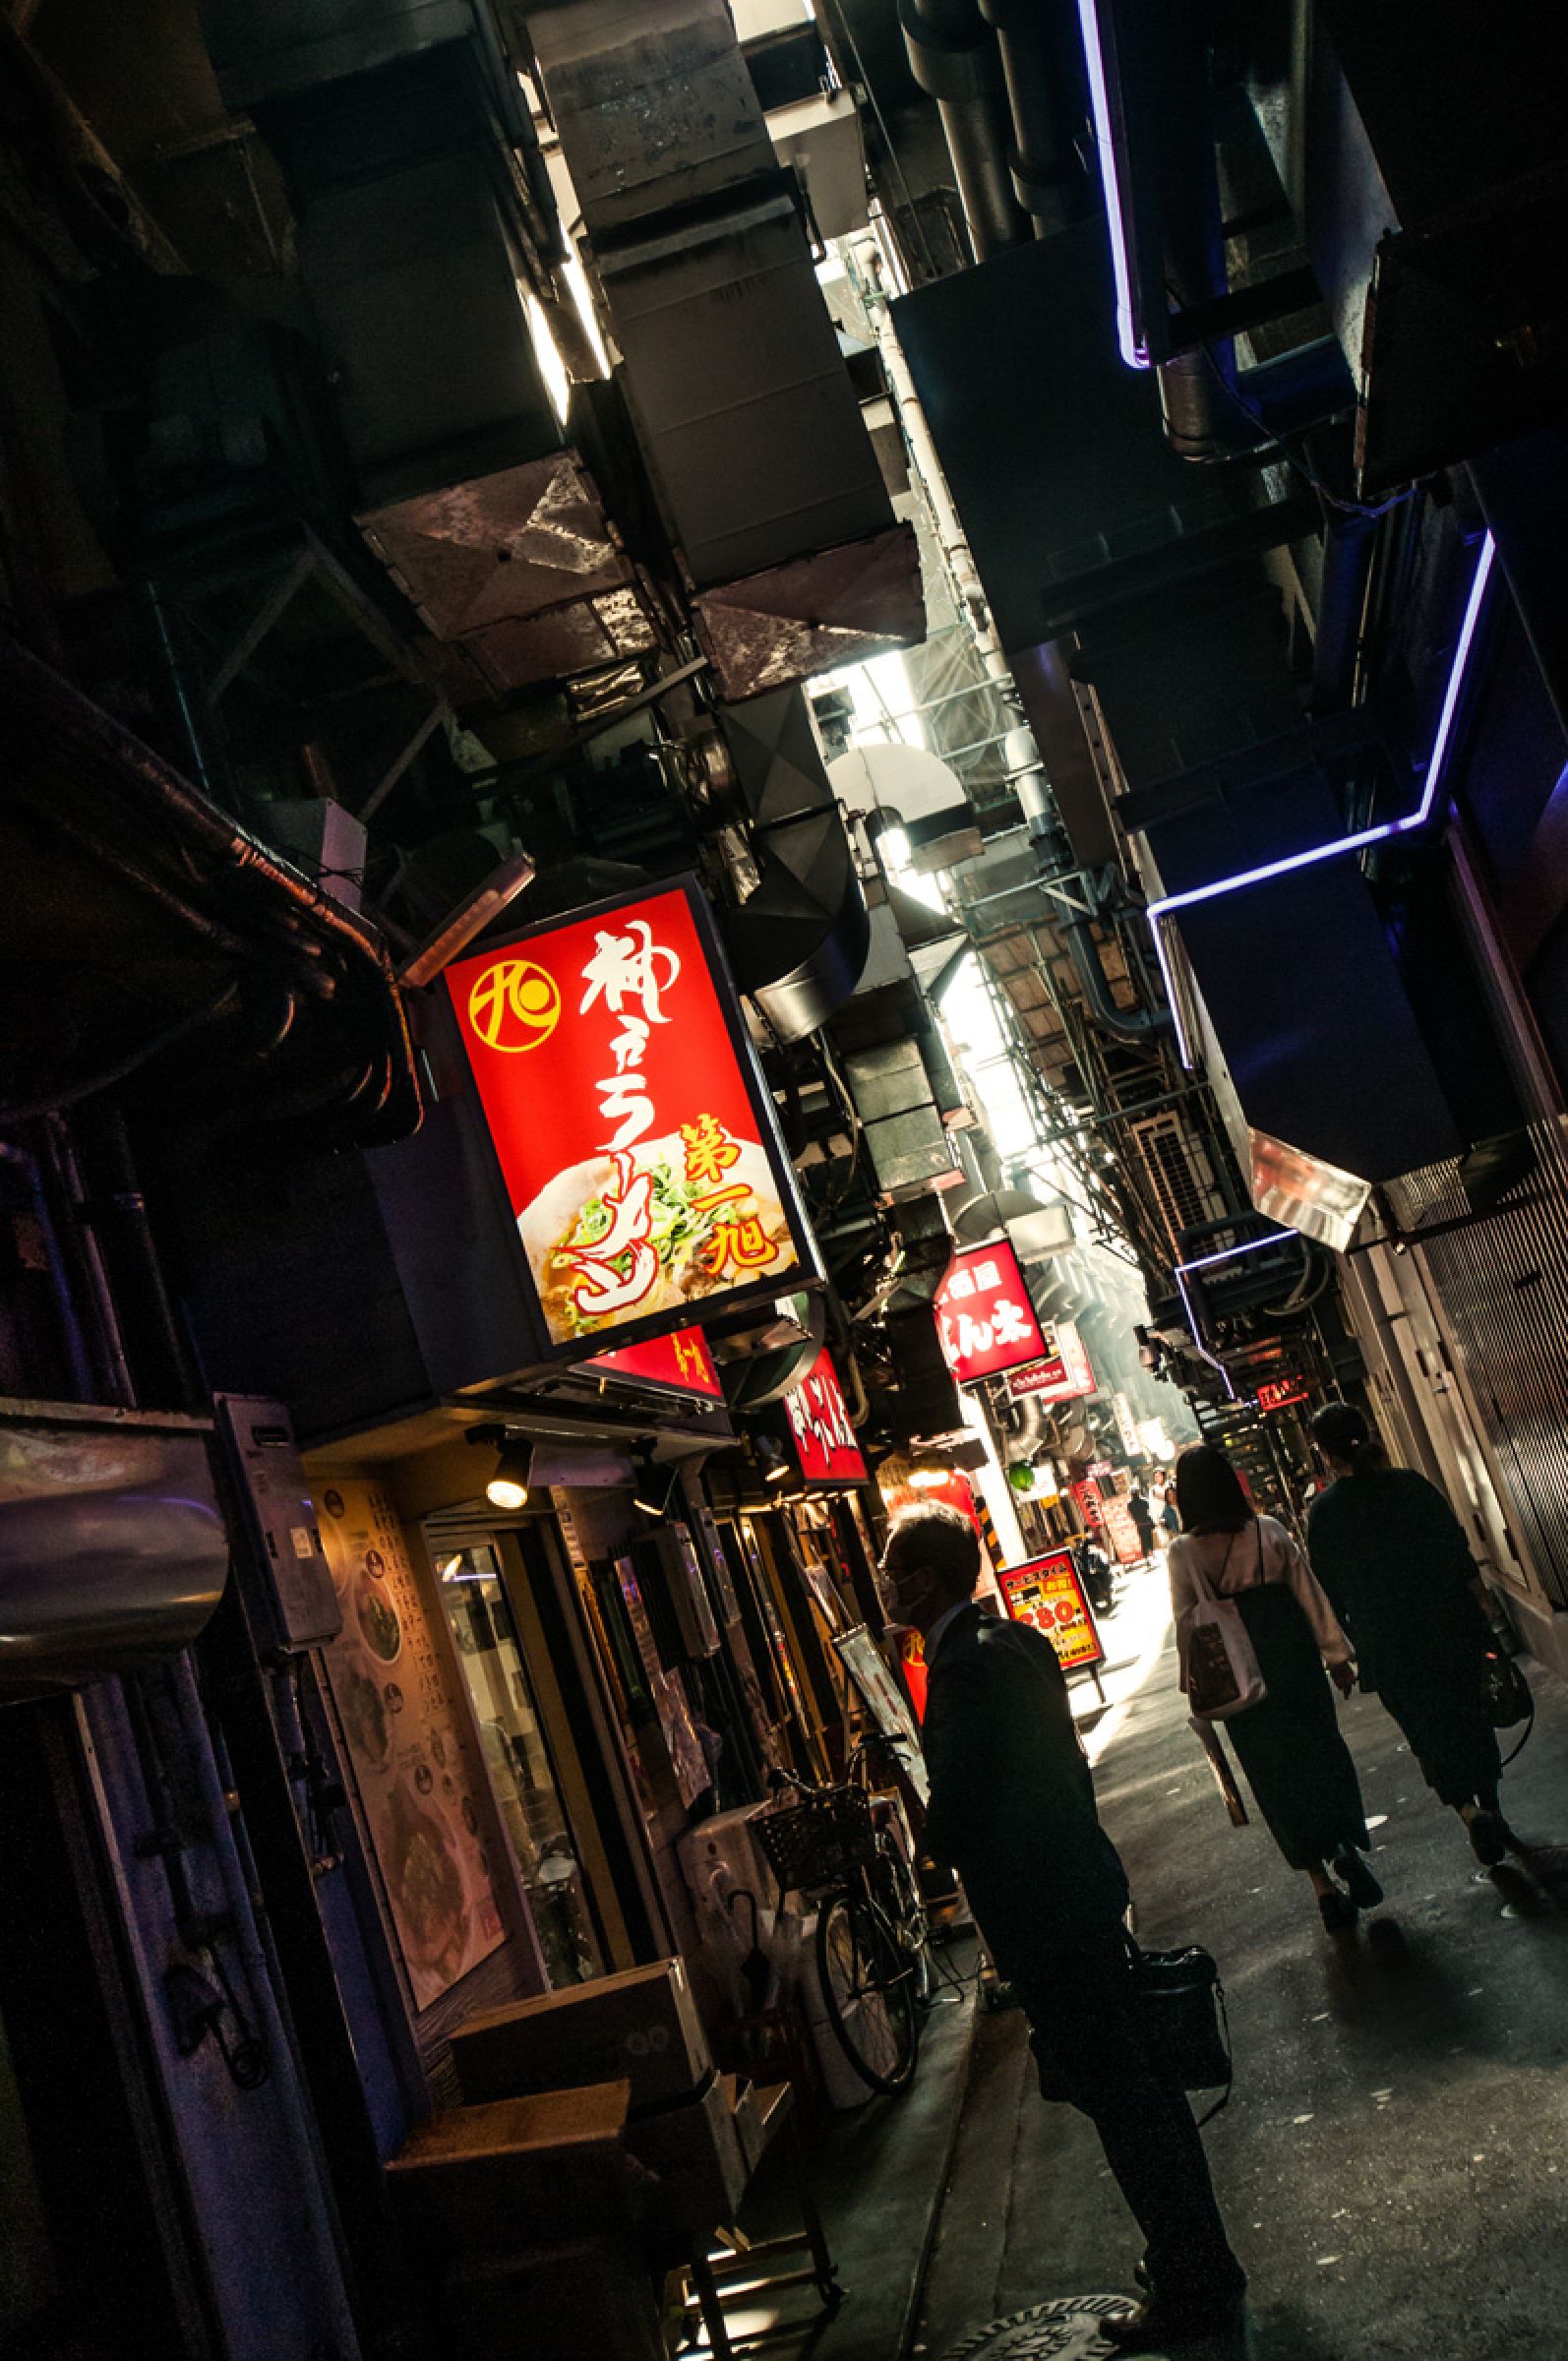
(754, 1380)
(954, 58)
(799, 942)
(765, 474)
(1077, 925)
(112, 1548)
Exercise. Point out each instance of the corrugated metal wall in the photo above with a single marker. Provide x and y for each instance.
(1502, 1281)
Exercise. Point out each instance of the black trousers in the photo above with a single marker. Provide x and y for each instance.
(1079, 2003)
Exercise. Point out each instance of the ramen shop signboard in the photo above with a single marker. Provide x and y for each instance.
(824, 1439)
(634, 1132)
(983, 1316)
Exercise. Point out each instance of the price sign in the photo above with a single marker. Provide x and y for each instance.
(1047, 1593)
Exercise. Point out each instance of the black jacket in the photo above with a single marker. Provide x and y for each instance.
(1013, 1804)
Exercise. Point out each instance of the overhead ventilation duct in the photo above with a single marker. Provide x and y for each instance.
(112, 1548)
(753, 1380)
(799, 942)
(1041, 66)
(749, 422)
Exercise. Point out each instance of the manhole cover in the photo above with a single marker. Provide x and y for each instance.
(1068, 2329)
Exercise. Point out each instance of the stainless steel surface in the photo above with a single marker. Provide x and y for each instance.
(112, 1548)
(793, 622)
(500, 546)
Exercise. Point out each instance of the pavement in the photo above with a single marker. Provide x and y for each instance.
(1393, 2162)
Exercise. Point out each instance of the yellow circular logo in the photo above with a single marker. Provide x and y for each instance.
(513, 1005)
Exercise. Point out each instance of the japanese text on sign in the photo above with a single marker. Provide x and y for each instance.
(983, 1316)
(1047, 1593)
(1064, 1376)
(633, 1134)
(824, 1439)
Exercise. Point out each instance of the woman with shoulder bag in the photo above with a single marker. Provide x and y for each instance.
(1394, 1559)
(1288, 1741)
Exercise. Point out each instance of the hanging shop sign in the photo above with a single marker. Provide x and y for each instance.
(634, 1132)
(819, 1417)
(1047, 1593)
(1063, 1376)
(676, 1364)
(984, 1319)
(1278, 1393)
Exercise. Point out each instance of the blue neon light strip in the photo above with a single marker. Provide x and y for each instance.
(1205, 1263)
(1133, 352)
(1158, 912)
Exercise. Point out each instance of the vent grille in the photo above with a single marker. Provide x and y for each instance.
(1179, 1176)
(1502, 1279)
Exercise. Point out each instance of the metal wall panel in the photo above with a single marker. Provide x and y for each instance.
(1502, 1281)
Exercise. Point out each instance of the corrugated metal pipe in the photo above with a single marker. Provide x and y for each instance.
(954, 58)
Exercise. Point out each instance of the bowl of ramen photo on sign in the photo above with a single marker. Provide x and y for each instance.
(427, 1891)
(625, 1235)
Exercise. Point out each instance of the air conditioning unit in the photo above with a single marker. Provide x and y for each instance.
(1180, 1175)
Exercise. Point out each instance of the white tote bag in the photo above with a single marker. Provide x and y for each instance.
(1223, 1676)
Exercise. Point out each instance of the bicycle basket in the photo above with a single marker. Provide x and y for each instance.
(818, 1841)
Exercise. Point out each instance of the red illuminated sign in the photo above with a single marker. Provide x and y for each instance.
(1047, 1593)
(1119, 1526)
(680, 1363)
(983, 1316)
(1064, 1376)
(824, 1439)
(1279, 1392)
(634, 1134)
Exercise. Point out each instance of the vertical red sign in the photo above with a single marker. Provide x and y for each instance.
(635, 1133)
(824, 1439)
(983, 1316)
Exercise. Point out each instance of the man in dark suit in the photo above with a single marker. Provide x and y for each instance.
(1012, 1810)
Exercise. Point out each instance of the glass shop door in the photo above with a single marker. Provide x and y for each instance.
(517, 1758)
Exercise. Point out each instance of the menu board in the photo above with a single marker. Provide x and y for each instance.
(413, 1767)
(1047, 1594)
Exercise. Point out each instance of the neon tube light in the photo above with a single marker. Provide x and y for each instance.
(1205, 1263)
(1133, 352)
(1437, 763)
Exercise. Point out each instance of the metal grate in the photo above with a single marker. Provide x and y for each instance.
(1502, 1281)
(1178, 1174)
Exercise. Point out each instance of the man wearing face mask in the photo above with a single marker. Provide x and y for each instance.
(1012, 1810)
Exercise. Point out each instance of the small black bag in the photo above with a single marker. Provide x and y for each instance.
(1505, 1696)
(1180, 2001)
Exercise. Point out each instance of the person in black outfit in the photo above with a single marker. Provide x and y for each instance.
(1012, 1810)
(1393, 1560)
(1143, 1521)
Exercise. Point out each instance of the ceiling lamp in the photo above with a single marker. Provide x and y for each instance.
(654, 1484)
(772, 1458)
(508, 1484)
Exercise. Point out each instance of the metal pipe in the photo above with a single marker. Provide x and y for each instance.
(953, 57)
(1042, 69)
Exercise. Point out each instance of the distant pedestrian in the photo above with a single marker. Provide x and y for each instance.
(1289, 1744)
(1169, 1520)
(1143, 1520)
(1393, 1558)
(1013, 1809)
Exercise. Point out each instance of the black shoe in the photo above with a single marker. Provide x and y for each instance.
(1337, 1911)
(1358, 1879)
(1488, 1838)
(1166, 2319)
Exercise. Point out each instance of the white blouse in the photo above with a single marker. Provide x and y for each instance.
(1282, 1560)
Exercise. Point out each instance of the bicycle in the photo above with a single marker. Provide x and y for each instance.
(874, 1955)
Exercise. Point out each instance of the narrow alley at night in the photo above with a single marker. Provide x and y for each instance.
(783, 1180)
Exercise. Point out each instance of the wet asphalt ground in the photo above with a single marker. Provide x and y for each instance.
(1394, 2162)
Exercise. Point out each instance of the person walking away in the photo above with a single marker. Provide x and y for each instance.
(1143, 1515)
(1012, 1810)
(1296, 1764)
(1393, 1558)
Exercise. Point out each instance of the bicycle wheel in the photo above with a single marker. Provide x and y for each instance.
(898, 1896)
(867, 1989)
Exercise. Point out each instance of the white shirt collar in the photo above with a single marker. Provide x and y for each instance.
(933, 1636)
